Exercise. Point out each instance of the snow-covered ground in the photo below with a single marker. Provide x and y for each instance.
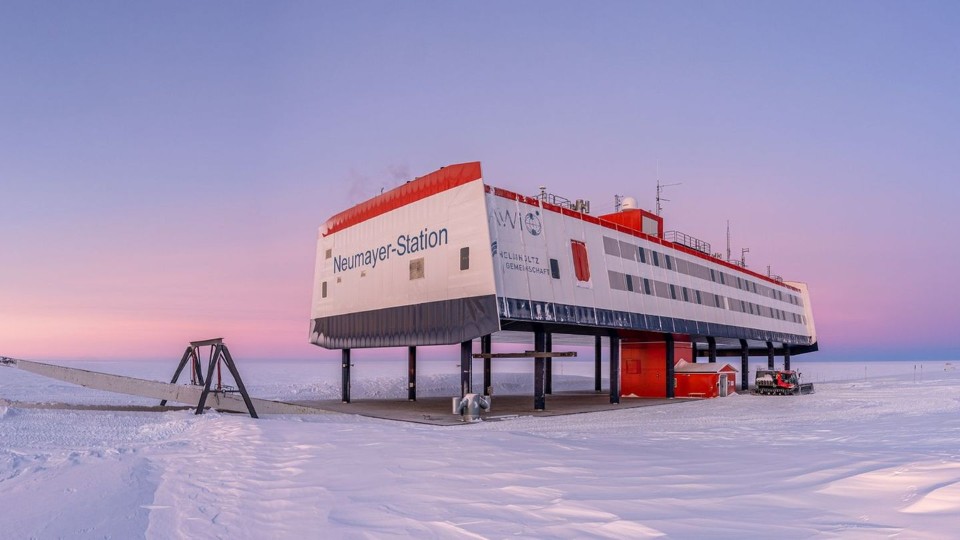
(874, 453)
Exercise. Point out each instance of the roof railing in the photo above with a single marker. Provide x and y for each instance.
(678, 237)
(579, 205)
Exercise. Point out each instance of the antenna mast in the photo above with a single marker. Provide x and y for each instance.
(660, 190)
(728, 240)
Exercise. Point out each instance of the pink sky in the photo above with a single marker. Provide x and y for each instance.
(163, 172)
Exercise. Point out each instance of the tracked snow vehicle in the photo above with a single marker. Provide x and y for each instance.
(780, 382)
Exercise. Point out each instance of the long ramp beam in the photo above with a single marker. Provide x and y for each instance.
(179, 393)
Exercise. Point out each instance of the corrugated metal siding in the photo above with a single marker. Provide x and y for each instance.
(431, 323)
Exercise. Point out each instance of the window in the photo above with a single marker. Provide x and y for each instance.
(328, 254)
(464, 258)
(643, 256)
(626, 250)
(713, 276)
(699, 298)
(646, 286)
(617, 280)
(323, 290)
(611, 246)
(673, 292)
(656, 258)
(629, 282)
(416, 268)
(668, 261)
(686, 295)
(555, 268)
(581, 264)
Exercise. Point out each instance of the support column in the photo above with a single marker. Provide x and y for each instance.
(614, 369)
(345, 373)
(693, 350)
(411, 373)
(539, 370)
(188, 356)
(769, 355)
(596, 364)
(466, 367)
(670, 365)
(206, 386)
(548, 343)
(197, 368)
(712, 344)
(486, 344)
(744, 365)
(786, 356)
(228, 360)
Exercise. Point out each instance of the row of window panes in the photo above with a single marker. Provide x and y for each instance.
(630, 283)
(626, 250)
(743, 306)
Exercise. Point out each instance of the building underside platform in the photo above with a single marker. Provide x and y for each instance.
(437, 410)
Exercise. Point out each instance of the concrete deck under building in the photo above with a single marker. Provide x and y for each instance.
(436, 410)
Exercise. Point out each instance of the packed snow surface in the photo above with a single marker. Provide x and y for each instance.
(874, 453)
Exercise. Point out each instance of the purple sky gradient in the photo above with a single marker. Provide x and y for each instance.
(164, 166)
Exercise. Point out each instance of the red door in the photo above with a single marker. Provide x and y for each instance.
(581, 266)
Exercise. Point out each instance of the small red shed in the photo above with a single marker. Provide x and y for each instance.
(705, 380)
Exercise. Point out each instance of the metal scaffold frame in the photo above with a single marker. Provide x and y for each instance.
(218, 354)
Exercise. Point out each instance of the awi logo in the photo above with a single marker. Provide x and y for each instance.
(514, 219)
(532, 223)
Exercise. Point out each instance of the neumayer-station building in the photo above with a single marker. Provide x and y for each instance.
(447, 259)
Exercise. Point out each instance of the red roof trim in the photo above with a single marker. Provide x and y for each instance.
(620, 228)
(438, 181)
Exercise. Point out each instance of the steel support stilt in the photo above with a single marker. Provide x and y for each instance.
(693, 351)
(548, 344)
(345, 375)
(668, 339)
(486, 345)
(615, 369)
(539, 370)
(786, 356)
(597, 371)
(411, 373)
(770, 352)
(712, 344)
(466, 368)
(744, 365)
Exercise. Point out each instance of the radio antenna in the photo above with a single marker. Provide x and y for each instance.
(728, 240)
(660, 191)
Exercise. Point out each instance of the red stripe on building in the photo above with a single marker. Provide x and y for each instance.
(438, 181)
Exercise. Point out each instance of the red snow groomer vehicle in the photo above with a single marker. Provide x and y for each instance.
(780, 382)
